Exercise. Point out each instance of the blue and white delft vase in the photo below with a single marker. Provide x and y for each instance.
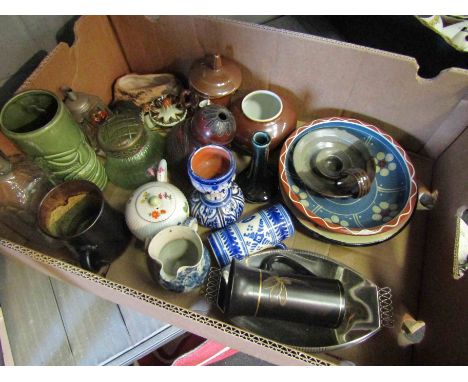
(264, 229)
(216, 201)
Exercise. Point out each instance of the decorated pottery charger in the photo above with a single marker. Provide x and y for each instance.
(366, 311)
(390, 201)
(322, 234)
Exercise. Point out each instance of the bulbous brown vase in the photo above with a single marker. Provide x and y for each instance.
(266, 111)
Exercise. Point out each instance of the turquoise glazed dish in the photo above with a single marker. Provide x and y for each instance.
(392, 197)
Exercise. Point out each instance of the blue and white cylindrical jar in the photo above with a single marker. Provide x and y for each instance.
(264, 229)
(216, 201)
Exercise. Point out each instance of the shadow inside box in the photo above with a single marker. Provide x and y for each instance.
(402, 35)
(11, 85)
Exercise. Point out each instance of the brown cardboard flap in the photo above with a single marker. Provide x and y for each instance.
(90, 65)
(443, 304)
(323, 77)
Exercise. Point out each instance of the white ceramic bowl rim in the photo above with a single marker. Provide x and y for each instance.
(249, 96)
(164, 235)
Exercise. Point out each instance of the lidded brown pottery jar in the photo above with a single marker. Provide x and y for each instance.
(215, 78)
(263, 110)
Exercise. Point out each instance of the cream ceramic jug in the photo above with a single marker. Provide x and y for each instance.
(155, 206)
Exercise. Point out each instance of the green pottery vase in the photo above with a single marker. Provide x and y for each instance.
(132, 152)
(40, 124)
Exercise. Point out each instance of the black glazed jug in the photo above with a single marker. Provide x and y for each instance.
(298, 297)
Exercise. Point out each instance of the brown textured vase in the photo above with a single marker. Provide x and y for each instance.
(266, 111)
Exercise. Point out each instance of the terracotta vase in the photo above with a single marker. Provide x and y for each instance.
(263, 110)
(215, 78)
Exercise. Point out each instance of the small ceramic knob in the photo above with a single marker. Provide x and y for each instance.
(153, 201)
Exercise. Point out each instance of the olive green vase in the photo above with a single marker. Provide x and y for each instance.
(43, 128)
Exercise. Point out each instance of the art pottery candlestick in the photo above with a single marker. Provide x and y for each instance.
(216, 201)
(258, 182)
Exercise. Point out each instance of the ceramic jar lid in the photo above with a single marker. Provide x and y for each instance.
(155, 203)
(215, 76)
(78, 103)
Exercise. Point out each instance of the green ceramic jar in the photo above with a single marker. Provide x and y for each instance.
(130, 150)
(43, 128)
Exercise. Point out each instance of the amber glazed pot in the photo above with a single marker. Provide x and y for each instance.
(263, 110)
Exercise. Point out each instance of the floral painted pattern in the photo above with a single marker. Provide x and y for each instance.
(394, 184)
(384, 211)
(337, 220)
(384, 163)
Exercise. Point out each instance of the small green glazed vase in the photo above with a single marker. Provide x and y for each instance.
(132, 152)
(43, 128)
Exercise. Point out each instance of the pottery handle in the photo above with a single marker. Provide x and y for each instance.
(161, 174)
(426, 199)
(85, 253)
(185, 98)
(356, 180)
(281, 246)
(268, 262)
(191, 222)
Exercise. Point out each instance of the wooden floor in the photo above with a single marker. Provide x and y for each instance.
(49, 322)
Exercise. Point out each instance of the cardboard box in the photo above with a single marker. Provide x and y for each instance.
(324, 78)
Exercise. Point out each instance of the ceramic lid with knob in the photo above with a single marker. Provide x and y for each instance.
(155, 205)
(215, 76)
(78, 103)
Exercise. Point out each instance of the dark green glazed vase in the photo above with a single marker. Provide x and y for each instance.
(43, 128)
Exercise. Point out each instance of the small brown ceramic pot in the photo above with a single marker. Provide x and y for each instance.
(263, 110)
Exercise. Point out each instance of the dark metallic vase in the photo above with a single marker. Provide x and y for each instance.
(296, 297)
(258, 182)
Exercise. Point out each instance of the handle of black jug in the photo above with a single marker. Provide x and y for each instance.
(267, 264)
(86, 254)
